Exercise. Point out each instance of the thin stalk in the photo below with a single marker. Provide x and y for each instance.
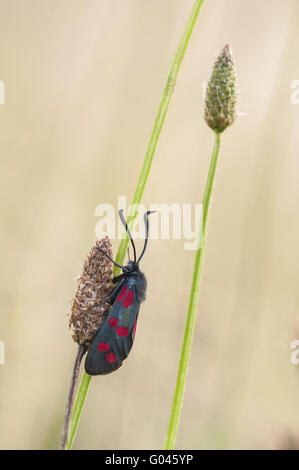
(142, 180)
(79, 403)
(193, 305)
(70, 401)
(160, 118)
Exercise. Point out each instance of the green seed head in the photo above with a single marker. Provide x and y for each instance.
(221, 94)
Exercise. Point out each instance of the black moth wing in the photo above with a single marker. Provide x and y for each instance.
(114, 341)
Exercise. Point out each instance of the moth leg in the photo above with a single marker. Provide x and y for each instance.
(116, 290)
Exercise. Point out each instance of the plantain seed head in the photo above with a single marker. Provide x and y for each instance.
(221, 93)
(91, 303)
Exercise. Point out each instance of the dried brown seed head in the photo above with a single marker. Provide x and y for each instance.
(94, 288)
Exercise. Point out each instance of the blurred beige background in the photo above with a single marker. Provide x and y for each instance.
(83, 82)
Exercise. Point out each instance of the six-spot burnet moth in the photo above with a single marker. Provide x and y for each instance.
(114, 340)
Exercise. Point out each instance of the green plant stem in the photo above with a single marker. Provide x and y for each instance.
(160, 118)
(82, 392)
(70, 401)
(142, 180)
(193, 305)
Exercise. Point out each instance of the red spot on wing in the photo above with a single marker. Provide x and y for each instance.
(122, 331)
(103, 347)
(129, 299)
(122, 294)
(134, 329)
(113, 321)
(110, 357)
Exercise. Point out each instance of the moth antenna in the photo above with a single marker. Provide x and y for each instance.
(124, 222)
(146, 215)
(128, 251)
(114, 262)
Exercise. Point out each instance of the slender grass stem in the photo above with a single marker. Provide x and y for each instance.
(71, 397)
(193, 305)
(142, 180)
(81, 396)
(160, 118)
